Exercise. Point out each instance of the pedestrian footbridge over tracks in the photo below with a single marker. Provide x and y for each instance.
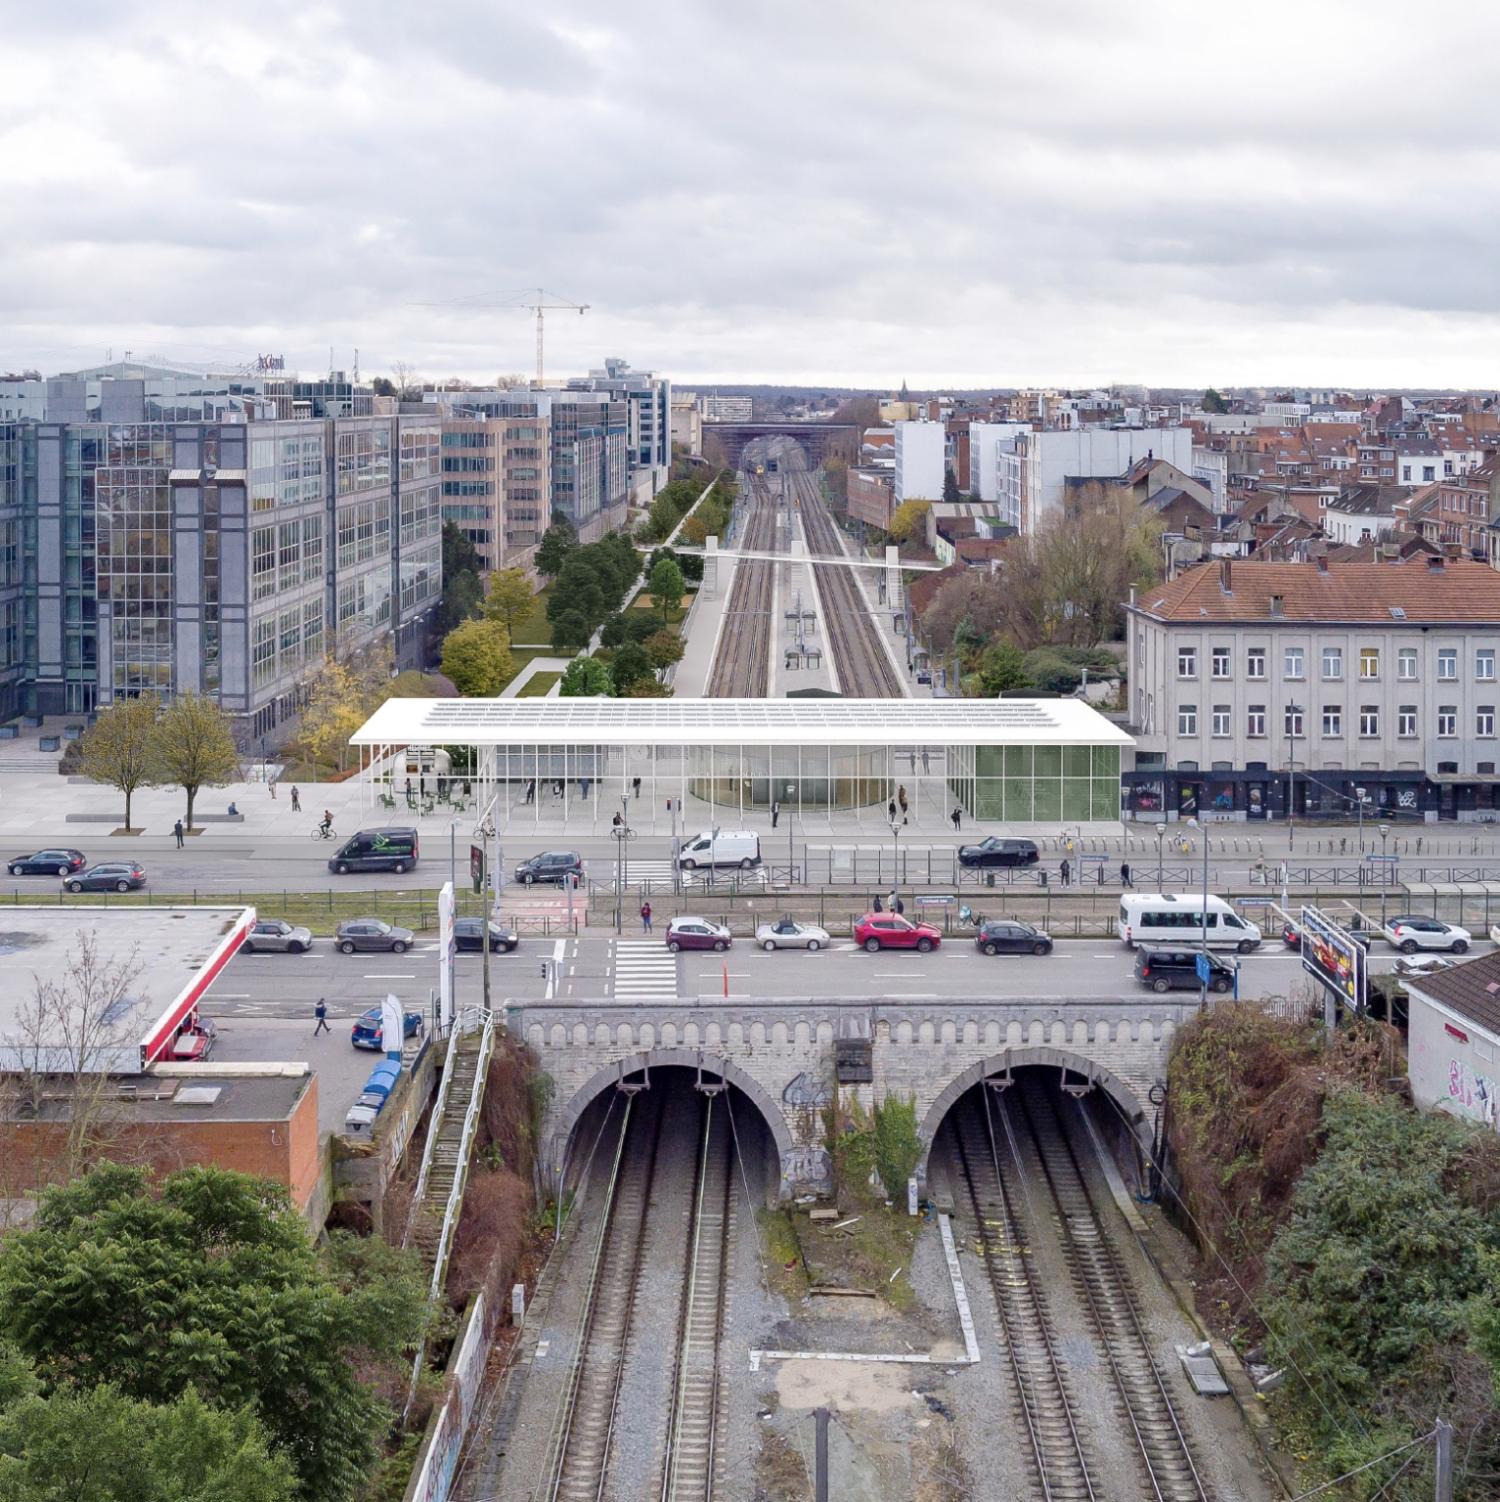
(786, 1056)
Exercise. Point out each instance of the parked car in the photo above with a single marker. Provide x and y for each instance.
(368, 1030)
(1011, 936)
(377, 850)
(194, 1041)
(697, 933)
(110, 876)
(371, 935)
(1411, 933)
(1429, 964)
(785, 934)
(893, 931)
(48, 863)
(1177, 970)
(1291, 936)
(998, 852)
(276, 935)
(466, 933)
(551, 865)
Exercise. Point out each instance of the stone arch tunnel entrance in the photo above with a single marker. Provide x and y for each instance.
(586, 1123)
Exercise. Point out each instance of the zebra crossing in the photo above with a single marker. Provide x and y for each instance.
(656, 876)
(642, 970)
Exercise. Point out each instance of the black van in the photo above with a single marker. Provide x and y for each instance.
(1177, 970)
(377, 850)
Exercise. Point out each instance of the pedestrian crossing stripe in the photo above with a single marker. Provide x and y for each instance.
(643, 968)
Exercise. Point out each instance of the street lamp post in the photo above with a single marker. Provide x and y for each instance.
(895, 862)
(485, 831)
(1293, 716)
(1161, 834)
(1385, 871)
(1359, 798)
(1203, 919)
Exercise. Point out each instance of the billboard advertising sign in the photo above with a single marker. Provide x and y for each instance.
(1333, 957)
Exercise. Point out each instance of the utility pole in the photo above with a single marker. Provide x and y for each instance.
(1442, 1465)
(484, 831)
(820, 1455)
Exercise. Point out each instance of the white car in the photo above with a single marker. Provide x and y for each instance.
(785, 934)
(1409, 934)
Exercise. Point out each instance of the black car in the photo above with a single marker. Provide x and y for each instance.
(1011, 936)
(997, 852)
(114, 876)
(466, 935)
(552, 865)
(1177, 970)
(49, 863)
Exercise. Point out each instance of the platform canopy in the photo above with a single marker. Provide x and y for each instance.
(738, 722)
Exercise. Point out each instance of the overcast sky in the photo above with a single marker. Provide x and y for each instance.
(842, 191)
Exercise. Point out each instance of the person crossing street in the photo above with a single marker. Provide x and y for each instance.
(321, 1013)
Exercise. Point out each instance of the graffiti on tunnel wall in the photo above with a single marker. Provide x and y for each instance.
(1475, 1093)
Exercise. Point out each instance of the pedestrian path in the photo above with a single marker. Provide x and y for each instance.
(656, 876)
(642, 970)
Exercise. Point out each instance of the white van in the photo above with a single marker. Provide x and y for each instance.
(1179, 918)
(730, 847)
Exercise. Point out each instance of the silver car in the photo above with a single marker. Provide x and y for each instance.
(276, 934)
(785, 934)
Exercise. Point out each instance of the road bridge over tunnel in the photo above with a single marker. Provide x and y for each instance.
(785, 1057)
(725, 442)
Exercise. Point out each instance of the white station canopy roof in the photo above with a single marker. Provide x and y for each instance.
(738, 722)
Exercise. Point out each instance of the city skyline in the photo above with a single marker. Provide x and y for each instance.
(834, 197)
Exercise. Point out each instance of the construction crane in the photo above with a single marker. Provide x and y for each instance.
(533, 299)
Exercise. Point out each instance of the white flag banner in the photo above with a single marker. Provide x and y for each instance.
(392, 1025)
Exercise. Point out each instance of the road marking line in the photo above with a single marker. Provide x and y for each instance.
(390, 977)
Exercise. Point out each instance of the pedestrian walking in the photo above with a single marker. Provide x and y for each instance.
(530, 789)
(775, 812)
(635, 787)
(894, 903)
(1065, 871)
(926, 760)
(646, 917)
(270, 783)
(408, 793)
(177, 830)
(618, 820)
(901, 799)
(890, 810)
(957, 816)
(296, 800)
(1125, 880)
(877, 906)
(321, 1013)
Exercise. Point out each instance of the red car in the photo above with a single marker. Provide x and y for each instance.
(892, 931)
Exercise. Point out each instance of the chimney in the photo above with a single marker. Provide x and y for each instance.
(1322, 563)
(1225, 576)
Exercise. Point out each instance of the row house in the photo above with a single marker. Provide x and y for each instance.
(1455, 512)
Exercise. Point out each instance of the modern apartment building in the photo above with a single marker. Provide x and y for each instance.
(727, 408)
(987, 440)
(12, 575)
(921, 458)
(1259, 687)
(497, 484)
(648, 422)
(687, 422)
(1038, 466)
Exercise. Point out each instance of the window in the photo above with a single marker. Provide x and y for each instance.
(1447, 721)
(1333, 719)
(1369, 721)
(1406, 664)
(1484, 665)
(1333, 662)
(1187, 719)
(1221, 719)
(263, 562)
(1484, 721)
(1255, 721)
(1447, 663)
(1187, 662)
(1221, 662)
(1291, 721)
(1255, 662)
(1369, 662)
(1293, 662)
(1406, 722)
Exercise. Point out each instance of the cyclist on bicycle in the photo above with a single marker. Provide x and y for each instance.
(326, 827)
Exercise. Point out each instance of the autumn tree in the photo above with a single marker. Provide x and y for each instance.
(510, 598)
(909, 521)
(333, 712)
(117, 747)
(193, 747)
(664, 648)
(476, 657)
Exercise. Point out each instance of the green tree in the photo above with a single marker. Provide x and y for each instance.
(585, 678)
(463, 599)
(647, 688)
(103, 1446)
(951, 492)
(571, 631)
(552, 552)
(1002, 669)
(909, 521)
(460, 556)
(510, 598)
(476, 656)
(238, 1303)
(613, 631)
(630, 664)
(667, 586)
(665, 514)
(117, 749)
(1214, 402)
(577, 589)
(193, 748)
(663, 648)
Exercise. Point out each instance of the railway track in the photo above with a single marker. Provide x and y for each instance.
(865, 669)
(693, 1460)
(742, 659)
(1043, 1398)
(1044, 1149)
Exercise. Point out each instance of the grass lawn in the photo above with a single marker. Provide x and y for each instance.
(520, 656)
(534, 629)
(538, 686)
(646, 601)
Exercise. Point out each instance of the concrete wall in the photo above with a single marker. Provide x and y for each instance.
(781, 1054)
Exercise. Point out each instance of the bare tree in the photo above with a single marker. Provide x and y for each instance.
(408, 382)
(69, 1037)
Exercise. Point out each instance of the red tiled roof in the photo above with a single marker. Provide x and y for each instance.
(1461, 591)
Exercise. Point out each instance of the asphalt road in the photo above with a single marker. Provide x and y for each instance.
(590, 968)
